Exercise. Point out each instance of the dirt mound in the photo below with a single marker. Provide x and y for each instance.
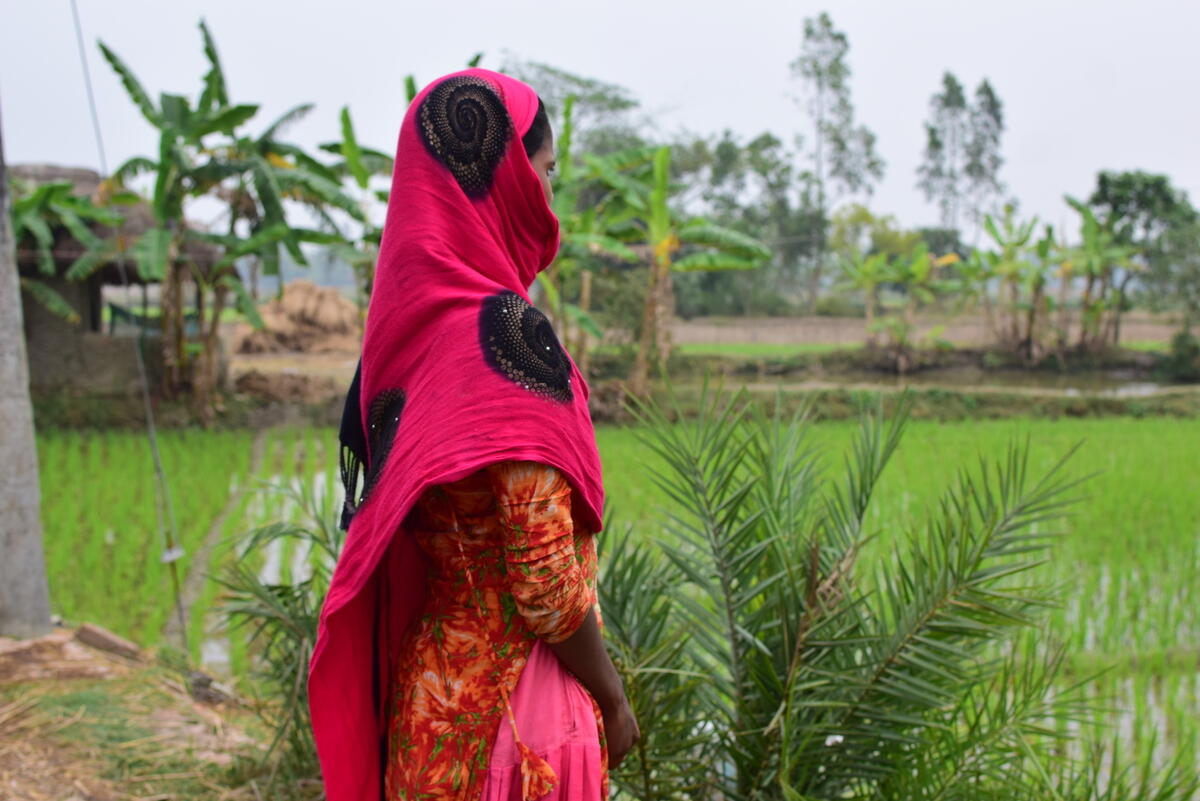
(60, 655)
(308, 318)
(288, 387)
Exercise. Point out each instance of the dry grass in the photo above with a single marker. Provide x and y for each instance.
(135, 735)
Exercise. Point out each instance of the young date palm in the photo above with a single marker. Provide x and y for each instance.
(281, 622)
(921, 676)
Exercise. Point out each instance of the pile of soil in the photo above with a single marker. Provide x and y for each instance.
(308, 319)
(288, 387)
(59, 655)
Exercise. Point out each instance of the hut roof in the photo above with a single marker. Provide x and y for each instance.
(137, 219)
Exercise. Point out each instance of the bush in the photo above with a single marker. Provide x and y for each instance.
(750, 293)
(282, 620)
(765, 663)
(839, 306)
(1183, 362)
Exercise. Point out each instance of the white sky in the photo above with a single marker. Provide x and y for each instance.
(1085, 85)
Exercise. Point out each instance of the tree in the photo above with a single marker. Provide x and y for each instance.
(1175, 272)
(983, 159)
(857, 231)
(1106, 265)
(866, 274)
(1140, 207)
(358, 165)
(962, 160)
(24, 596)
(941, 173)
(1011, 264)
(590, 201)
(1145, 212)
(752, 186)
(713, 248)
(37, 215)
(843, 153)
(252, 175)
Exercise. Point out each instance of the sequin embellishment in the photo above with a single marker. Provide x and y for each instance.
(466, 127)
(383, 420)
(519, 343)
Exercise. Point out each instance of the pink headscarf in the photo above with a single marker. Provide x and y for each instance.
(458, 371)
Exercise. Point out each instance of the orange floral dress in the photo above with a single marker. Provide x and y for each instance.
(508, 565)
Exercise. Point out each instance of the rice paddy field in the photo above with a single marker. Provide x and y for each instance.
(1128, 561)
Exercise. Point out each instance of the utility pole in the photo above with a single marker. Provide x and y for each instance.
(24, 596)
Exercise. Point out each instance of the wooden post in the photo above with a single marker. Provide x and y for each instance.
(24, 596)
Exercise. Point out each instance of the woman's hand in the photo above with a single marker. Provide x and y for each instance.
(620, 730)
(583, 654)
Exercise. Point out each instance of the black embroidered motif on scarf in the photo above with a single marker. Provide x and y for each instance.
(465, 125)
(383, 419)
(519, 343)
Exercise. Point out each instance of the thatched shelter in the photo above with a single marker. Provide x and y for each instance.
(84, 357)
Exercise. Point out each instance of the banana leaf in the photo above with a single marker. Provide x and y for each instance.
(50, 299)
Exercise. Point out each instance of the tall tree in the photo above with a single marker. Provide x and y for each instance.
(983, 159)
(941, 173)
(962, 160)
(843, 155)
(24, 598)
(604, 113)
(1145, 213)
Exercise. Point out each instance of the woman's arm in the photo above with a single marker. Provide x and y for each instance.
(583, 654)
(550, 589)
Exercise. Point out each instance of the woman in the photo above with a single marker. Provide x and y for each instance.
(461, 619)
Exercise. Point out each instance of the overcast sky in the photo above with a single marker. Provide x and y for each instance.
(1085, 85)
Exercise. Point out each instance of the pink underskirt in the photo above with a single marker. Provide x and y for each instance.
(555, 718)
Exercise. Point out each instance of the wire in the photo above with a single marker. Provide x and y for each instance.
(162, 488)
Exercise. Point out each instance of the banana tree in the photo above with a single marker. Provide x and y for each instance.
(1038, 307)
(866, 274)
(1011, 265)
(974, 276)
(253, 176)
(918, 275)
(595, 203)
(37, 214)
(359, 165)
(1098, 257)
(179, 173)
(709, 247)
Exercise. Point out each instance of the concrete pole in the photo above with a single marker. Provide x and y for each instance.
(24, 596)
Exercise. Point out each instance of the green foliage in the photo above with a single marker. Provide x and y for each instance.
(38, 214)
(754, 187)
(843, 154)
(253, 177)
(281, 620)
(855, 231)
(923, 678)
(961, 163)
(1183, 361)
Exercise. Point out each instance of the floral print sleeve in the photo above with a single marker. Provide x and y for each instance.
(549, 564)
(506, 565)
